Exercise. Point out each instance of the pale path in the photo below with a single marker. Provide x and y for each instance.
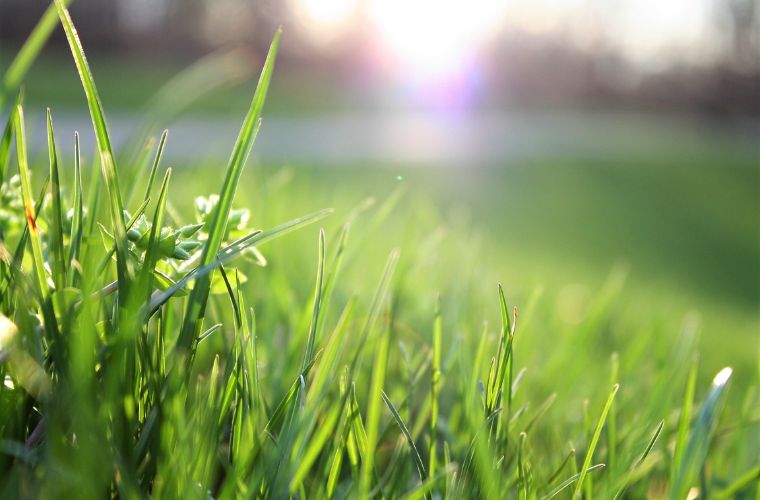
(413, 139)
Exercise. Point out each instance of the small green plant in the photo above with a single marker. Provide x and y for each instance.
(134, 363)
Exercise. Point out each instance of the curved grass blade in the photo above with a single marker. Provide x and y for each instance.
(569, 481)
(75, 241)
(744, 480)
(309, 353)
(374, 310)
(682, 434)
(7, 139)
(107, 160)
(316, 445)
(55, 232)
(152, 252)
(435, 386)
(641, 459)
(29, 209)
(196, 305)
(594, 441)
(699, 442)
(413, 447)
(373, 412)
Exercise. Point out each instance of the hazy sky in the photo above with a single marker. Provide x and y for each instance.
(649, 32)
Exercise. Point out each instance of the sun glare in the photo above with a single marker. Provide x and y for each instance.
(434, 38)
(325, 20)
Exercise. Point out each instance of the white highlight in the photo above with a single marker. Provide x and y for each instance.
(722, 377)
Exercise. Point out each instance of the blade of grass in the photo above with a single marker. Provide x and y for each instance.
(7, 139)
(152, 252)
(435, 386)
(684, 418)
(316, 445)
(641, 459)
(309, 353)
(594, 441)
(420, 465)
(55, 231)
(196, 305)
(373, 411)
(569, 481)
(752, 475)
(29, 209)
(699, 442)
(75, 241)
(107, 159)
(153, 168)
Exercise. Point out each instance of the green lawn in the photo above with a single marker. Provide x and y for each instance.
(374, 354)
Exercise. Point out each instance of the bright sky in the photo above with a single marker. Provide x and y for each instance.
(424, 31)
(420, 42)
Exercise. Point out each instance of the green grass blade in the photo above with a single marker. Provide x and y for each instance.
(28, 52)
(435, 386)
(309, 353)
(29, 208)
(197, 302)
(374, 310)
(152, 252)
(752, 475)
(374, 398)
(18, 254)
(594, 441)
(316, 445)
(75, 240)
(641, 459)
(107, 159)
(699, 442)
(419, 464)
(572, 479)
(7, 139)
(684, 418)
(55, 231)
(153, 168)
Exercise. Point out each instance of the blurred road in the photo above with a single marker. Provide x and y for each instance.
(429, 140)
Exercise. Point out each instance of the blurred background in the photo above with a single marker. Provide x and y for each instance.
(578, 137)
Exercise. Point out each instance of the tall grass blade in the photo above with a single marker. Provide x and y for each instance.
(29, 208)
(641, 459)
(374, 397)
(309, 353)
(435, 386)
(107, 159)
(75, 238)
(699, 442)
(197, 302)
(752, 475)
(594, 441)
(684, 419)
(419, 464)
(572, 479)
(7, 139)
(55, 232)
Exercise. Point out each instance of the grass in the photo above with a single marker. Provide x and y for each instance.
(162, 346)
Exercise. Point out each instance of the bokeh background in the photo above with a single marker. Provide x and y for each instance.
(569, 141)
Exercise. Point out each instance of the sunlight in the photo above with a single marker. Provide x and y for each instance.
(434, 38)
(325, 20)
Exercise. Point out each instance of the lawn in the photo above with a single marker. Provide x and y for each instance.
(554, 327)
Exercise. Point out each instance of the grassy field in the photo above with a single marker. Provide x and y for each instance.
(248, 349)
